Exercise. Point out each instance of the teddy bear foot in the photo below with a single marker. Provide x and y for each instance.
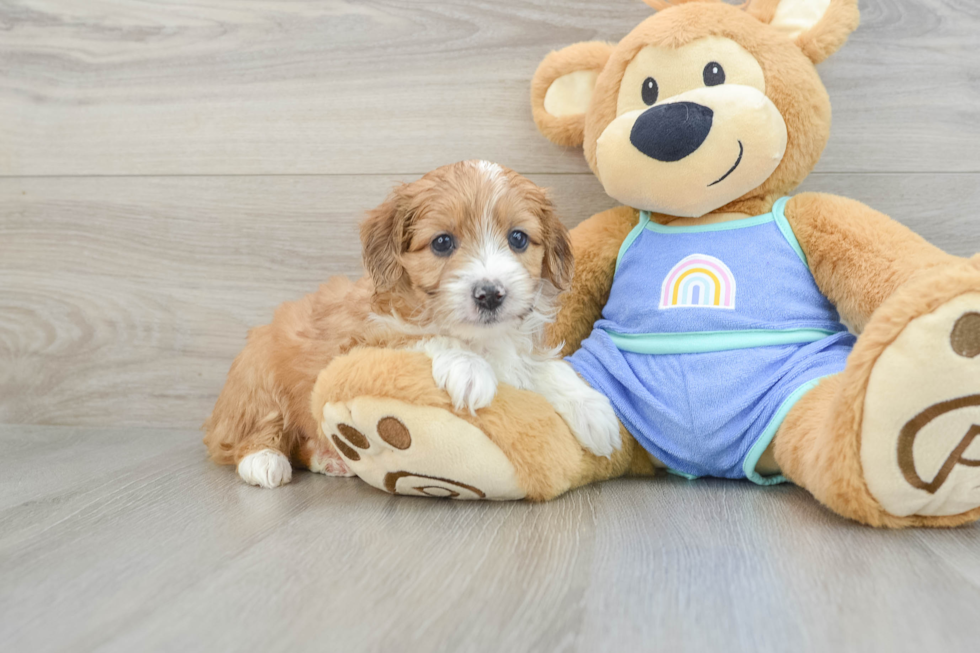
(920, 438)
(418, 450)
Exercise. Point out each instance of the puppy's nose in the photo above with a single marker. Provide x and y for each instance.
(670, 132)
(488, 296)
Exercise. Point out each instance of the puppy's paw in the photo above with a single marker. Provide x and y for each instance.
(266, 468)
(468, 378)
(321, 452)
(593, 423)
(587, 412)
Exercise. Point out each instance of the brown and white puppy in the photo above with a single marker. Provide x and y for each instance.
(463, 264)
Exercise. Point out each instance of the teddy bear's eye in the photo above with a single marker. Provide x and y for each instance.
(714, 74)
(650, 91)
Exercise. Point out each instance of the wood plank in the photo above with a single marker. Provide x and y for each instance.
(124, 300)
(110, 87)
(799, 576)
(165, 551)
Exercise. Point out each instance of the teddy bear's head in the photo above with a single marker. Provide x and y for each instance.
(703, 106)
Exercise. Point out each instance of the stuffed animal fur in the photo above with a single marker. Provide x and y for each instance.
(699, 121)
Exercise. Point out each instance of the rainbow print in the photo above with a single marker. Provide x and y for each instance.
(698, 280)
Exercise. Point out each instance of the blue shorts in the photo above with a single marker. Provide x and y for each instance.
(708, 414)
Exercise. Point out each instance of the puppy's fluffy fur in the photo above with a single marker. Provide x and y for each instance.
(464, 264)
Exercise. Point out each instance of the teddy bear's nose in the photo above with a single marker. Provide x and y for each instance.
(670, 132)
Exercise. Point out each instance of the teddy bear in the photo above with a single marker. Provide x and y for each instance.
(739, 331)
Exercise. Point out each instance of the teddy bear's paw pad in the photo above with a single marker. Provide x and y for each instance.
(920, 439)
(965, 339)
(420, 451)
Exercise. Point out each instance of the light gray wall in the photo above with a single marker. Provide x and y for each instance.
(170, 173)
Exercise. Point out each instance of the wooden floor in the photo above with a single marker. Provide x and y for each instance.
(170, 172)
(128, 540)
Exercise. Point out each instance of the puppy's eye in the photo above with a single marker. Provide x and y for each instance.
(517, 240)
(650, 91)
(443, 245)
(714, 74)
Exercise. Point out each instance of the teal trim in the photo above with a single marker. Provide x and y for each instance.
(690, 477)
(741, 223)
(778, 211)
(700, 342)
(752, 458)
(633, 235)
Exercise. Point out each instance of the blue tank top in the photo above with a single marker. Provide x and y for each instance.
(715, 287)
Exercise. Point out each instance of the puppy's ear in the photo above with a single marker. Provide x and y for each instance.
(382, 240)
(559, 263)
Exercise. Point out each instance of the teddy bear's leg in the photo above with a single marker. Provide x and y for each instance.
(400, 433)
(894, 440)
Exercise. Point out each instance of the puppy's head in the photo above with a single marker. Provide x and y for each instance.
(470, 245)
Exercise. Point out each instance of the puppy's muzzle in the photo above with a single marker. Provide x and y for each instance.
(488, 296)
(670, 132)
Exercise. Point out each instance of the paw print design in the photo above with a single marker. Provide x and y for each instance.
(920, 442)
(419, 451)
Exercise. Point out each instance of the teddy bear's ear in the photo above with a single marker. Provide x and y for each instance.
(819, 27)
(562, 89)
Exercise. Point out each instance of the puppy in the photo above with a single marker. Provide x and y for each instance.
(464, 264)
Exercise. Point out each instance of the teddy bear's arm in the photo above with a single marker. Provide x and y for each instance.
(596, 244)
(857, 256)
